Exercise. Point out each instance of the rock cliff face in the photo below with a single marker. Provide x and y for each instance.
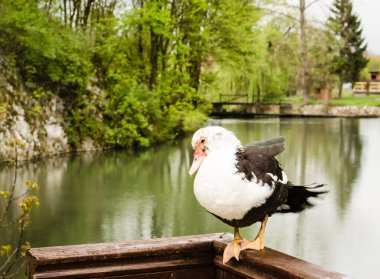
(35, 137)
(37, 129)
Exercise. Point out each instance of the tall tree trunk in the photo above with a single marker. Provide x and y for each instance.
(139, 6)
(65, 12)
(258, 93)
(48, 6)
(367, 86)
(304, 63)
(194, 69)
(140, 47)
(340, 89)
(72, 10)
(153, 58)
(164, 52)
(78, 4)
(86, 13)
(112, 7)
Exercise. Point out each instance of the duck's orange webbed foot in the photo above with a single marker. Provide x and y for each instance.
(258, 242)
(233, 248)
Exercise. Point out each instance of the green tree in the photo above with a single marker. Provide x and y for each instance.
(236, 52)
(321, 60)
(349, 57)
(279, 68)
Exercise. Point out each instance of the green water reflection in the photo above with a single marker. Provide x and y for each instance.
(118, 196)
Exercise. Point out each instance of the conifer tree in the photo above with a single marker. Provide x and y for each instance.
(349, 57)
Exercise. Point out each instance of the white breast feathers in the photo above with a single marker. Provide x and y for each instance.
(221, 190)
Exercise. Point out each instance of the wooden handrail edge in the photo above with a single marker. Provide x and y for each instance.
(177, 253)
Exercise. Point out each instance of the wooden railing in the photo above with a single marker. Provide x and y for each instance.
(363, 87)
(189, 257)
(233, 98)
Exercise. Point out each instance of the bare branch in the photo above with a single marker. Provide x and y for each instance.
(16, 272)
(311, 3)
(17, 254)
(22, 195)
(9, 259)
(15, 221)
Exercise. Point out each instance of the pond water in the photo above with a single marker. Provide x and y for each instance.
(119, 196)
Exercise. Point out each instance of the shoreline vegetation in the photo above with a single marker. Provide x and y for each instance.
(28, 150)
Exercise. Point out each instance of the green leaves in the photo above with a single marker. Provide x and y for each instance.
(4, 250)
(28, 203)
(32, 185)
(5, 194)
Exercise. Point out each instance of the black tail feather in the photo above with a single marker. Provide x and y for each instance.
(299, 197)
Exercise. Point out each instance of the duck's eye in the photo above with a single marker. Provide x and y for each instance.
(203, 140)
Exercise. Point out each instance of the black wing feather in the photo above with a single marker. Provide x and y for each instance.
(258, 159)
(268, 148)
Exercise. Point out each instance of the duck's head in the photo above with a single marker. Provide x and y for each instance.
(208, 139)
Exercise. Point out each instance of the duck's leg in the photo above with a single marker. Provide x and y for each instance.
(258, 242)
(233, 248)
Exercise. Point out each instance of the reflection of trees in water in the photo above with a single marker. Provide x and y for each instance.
(115, 196)
(351, 148)
(43, 172)
(329, 147)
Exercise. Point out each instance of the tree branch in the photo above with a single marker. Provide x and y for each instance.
(8, 260)
(310, 4)
(14, 273)
(16, 255)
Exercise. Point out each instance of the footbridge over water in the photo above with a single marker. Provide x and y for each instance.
(239, 106)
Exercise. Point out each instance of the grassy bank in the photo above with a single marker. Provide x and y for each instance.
(348, 99)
